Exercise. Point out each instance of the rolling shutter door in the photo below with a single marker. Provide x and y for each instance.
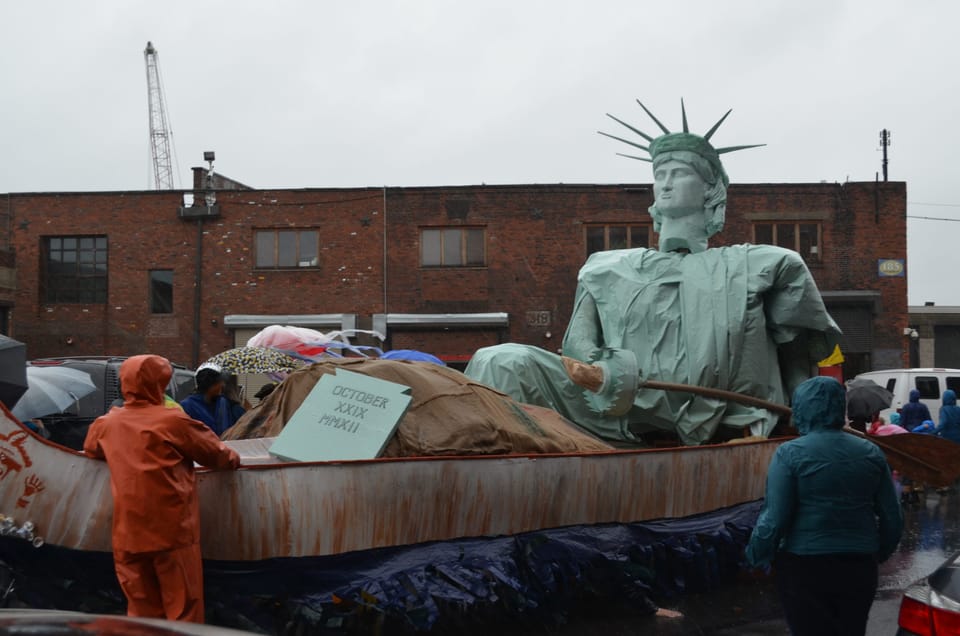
(856, 323)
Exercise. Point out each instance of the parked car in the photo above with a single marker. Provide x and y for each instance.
(930, 382)
(70, 428)
(931, 606)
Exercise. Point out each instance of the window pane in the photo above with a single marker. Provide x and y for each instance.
(594, 239)
(929, 387)
(786, 235)
(475, 247)
(286, 249)
(451, 247)
(161, 291)
(639, 236)
(953, 383)
(809, 245)
(763, 234)
(265, 255)
(308, 249)
(617, 237)
(73, 270)
(430, 248)
(101, 242)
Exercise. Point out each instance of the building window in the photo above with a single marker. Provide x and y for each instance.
(802, 238)
(287, 249)
(75, 269)
(453, 247)
(616, 237)
(161, 291)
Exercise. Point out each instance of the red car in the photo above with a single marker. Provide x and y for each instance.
(931, 606)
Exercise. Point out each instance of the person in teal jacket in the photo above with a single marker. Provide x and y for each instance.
(830, 514)
(949, 427)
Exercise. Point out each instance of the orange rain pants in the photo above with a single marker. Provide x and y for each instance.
(165, 584)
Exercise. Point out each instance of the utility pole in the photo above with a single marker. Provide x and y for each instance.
(884, 142)
(159, 131)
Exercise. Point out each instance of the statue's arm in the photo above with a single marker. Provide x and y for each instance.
(584, 333)
(803, 329)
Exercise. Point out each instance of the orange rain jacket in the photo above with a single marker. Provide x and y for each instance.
(151, 450)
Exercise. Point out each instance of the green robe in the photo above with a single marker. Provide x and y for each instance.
(746, 318)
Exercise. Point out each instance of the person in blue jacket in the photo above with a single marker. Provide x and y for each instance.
(949, 426)
(208, 404)
(830, 514)
(914, 412)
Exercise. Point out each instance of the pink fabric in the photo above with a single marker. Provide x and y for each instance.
(287, 338)
(888, 429)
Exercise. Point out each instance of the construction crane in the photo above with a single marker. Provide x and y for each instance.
(160, 142)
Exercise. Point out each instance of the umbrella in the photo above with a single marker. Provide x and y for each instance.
(52, 389)
(866, 397)
(254, 360)
(13, 374)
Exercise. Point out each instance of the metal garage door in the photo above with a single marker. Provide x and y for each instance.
(946, 346)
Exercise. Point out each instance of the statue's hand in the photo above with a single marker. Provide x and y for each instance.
(611, 382)
(588, 376)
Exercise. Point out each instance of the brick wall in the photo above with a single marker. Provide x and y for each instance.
(534, 246)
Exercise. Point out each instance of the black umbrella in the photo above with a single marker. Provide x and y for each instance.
(13, 370)
(866, 397)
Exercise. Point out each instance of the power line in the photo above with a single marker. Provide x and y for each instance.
(931, 218)
(937, 205)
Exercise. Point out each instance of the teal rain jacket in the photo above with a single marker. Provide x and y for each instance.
(828, 492)
(949, 427)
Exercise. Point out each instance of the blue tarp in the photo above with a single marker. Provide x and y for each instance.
(536, 576)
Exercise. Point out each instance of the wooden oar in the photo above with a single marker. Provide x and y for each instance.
(931, 460)
(923, 458)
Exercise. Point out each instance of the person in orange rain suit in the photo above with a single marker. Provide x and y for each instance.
(150, 450)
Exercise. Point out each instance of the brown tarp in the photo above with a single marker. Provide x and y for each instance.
(448, 415)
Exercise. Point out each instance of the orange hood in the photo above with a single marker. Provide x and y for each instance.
(144, 378)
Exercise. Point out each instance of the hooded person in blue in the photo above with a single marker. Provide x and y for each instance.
(949, 427)
(208, 404)
(914, 412)
(830, 514)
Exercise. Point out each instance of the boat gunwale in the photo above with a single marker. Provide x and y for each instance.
(423, 458)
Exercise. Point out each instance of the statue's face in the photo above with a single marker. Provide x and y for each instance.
(678, 189)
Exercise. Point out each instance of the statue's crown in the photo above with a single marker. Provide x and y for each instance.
(674, 141)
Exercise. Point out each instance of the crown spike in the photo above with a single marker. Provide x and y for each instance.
(683, 112)
(710, 132)
(647, 159)
(655, 120)
(623, 123)
(721, 151)
(626, 141)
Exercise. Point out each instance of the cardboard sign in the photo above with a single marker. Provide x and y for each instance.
(346, 416)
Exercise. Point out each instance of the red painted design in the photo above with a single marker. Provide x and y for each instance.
(13, 456)
(31, 486)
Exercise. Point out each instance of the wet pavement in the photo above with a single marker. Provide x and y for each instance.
(751, 608)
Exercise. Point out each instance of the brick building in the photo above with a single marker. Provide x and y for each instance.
(442, 269)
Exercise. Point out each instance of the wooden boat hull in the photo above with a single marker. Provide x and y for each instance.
(366, 525)
(276, 510)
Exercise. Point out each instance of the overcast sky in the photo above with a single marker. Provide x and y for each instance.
(319, 94)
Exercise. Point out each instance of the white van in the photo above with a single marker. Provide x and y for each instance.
(930, 382)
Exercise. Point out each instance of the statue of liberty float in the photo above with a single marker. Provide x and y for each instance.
(511, 492)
